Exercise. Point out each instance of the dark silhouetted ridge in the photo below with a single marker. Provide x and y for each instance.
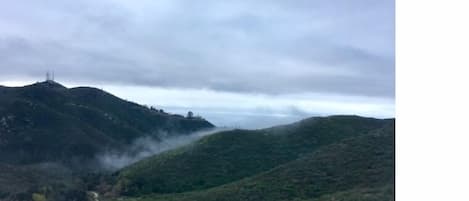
(46, 122)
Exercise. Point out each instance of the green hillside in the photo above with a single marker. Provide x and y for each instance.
(354, 168)
(47, 122)
(56, 182)
(233, 155)
(50, 136)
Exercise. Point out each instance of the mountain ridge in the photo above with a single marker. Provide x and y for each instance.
(229, 156)
(50, 136)
(359, 166)
(50, 111)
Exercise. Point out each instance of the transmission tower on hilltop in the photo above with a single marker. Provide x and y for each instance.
(49, 76)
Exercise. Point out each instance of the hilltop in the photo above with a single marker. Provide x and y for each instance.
(47, 122)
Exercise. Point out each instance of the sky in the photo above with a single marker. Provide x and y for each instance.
(242, 63)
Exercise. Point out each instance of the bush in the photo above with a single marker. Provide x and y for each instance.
(39, 197)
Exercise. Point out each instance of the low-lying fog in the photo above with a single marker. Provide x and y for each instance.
(148, 146)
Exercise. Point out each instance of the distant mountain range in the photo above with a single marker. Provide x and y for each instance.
(50, 136)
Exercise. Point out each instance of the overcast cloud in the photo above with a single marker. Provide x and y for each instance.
(276, 49)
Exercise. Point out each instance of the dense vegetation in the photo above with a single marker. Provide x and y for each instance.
(312, 158)
(48, 180)
(47, 122)
(50, 136)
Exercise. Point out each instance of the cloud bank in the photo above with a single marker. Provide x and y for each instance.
(274, 60)
(271, 47)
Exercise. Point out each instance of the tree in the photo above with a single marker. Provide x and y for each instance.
(190, 115)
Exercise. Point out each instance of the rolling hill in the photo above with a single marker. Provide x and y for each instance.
(47, 122)
(358, 168)
(323, 156)
(50, 136)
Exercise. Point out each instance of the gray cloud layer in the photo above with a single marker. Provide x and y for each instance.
(272, 47)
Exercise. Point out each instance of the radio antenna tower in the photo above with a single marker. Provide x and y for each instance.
(50, 76)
